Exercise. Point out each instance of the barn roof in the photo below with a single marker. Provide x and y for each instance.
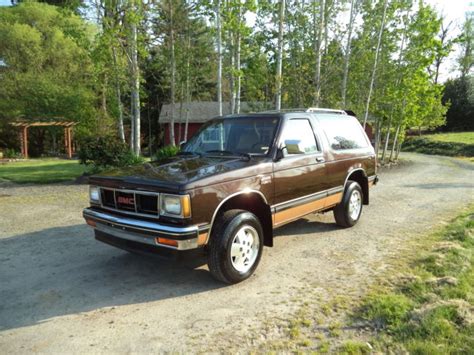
(202, 111)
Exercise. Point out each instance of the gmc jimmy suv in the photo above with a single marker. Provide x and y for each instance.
(232, 183)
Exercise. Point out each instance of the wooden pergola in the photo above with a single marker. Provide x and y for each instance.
(68, 125)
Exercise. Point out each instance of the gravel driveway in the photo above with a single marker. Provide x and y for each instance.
(62, 291)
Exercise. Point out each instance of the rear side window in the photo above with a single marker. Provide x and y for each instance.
(343, 132)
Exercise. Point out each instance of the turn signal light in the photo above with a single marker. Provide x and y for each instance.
(171, 242)
(91, 223)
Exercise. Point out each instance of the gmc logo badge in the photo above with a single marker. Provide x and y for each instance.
(126, 200)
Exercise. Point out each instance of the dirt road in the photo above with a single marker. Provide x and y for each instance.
(62, 291)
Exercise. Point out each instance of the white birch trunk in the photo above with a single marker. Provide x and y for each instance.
(317, 49)
(237, 62)
(278, 78)
(219, 55)
(118, 94)
(395, 141)
(173, 76)
(374, 69)
(135, 94)
(347, 54)
(233, 94)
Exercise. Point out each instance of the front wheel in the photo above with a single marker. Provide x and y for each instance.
(348, 211)
(235, 247)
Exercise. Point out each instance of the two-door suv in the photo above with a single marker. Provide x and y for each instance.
(233, 182)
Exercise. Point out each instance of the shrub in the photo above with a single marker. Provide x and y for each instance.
(105, 152)
(11, 153)
(166, 152)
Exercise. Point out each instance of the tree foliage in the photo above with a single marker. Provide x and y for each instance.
(384, 59)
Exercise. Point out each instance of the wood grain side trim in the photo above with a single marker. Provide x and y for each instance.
(291, 214)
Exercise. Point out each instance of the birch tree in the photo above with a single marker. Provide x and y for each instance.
(219, 54)
(347, 53)
(135, 80)
(374, 68)
(318, 34)
(173, 75)
(278, 77)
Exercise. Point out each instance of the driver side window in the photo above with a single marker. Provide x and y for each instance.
(298, 138)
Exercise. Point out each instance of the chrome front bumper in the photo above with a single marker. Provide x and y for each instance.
(146, 232)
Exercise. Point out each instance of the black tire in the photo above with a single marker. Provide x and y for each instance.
(341, 211)
(220, 261)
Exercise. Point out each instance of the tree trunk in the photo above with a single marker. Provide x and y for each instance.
(395, 141)
(278, 78)
(119, 97)
(219, 56)
(378, 133)
(237, 61)
(374, 69)
(399, 147)
(387, 139)
(347, 54)
(317, 49)
(135, 94)
(173, 76)
(180, 115)
(233, 95)
(188, 90)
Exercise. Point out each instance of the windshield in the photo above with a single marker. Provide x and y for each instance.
(234, 136)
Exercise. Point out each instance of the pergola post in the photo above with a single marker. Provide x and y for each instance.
(69, 141)
(24, 144)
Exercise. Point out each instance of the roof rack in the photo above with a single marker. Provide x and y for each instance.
(310, 109)
(286, 110)
(329, 110)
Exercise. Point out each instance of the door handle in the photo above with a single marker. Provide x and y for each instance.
(320, 159)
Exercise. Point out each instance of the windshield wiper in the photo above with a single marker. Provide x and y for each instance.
(228, 152)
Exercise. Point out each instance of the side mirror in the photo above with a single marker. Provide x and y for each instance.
(182, 144)
(294, 147)
(279, 153)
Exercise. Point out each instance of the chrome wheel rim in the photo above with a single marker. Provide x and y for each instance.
(355, 204)
(244, 249)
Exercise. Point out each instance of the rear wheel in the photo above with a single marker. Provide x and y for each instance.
(348, 211)
(235, 247)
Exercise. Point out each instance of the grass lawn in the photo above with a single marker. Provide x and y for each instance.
(458, 137)
(430, 310)
(41, 171)
(450, 144)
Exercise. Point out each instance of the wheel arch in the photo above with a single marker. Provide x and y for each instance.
(360, 177)
(249, 200)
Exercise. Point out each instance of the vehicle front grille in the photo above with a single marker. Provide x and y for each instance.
(133, 202)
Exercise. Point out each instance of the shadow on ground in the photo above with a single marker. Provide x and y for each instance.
(61, 271)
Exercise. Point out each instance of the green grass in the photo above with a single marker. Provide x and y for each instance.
(41, 171)
(442, 144)
(458, 137)
(430, 311)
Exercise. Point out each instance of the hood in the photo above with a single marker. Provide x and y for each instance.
(174, 173)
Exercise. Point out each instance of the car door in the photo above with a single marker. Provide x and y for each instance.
(299, 176)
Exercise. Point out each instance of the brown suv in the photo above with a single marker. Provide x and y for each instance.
(233, 182)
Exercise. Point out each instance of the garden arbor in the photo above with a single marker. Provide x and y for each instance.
(68, 125)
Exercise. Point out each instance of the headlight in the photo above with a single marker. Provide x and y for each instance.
(176, 205)
(94, 194)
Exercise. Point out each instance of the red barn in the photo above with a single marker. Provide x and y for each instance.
(198, 113)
